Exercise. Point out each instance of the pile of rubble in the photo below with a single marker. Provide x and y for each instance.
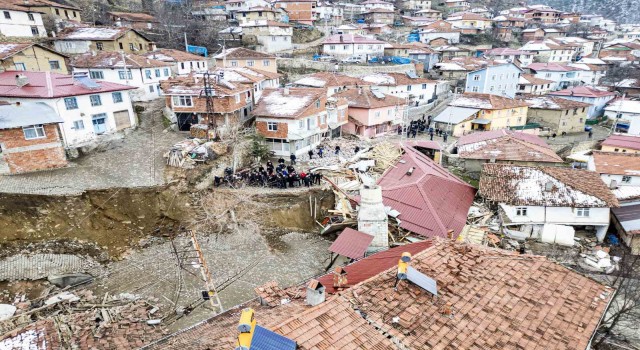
(347, 151)
(187, 153)
(81, 320)
(598, 259)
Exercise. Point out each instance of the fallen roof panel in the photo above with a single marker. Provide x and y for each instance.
(351, 243)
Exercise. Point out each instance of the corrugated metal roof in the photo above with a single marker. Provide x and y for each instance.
(351, 243)
(629, 218)
(264, 339)
(455, 115)
(374, 264)
(13, 116)
(624, 141)
(431, 200)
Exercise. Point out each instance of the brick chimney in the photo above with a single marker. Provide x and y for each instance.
(315, 293)
(339, 278)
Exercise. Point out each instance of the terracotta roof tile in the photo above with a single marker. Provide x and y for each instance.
(271, 294)
(525, 185)
(510, 146)
(170, 55)
(617, 163)
(623, 141)
(582, 91)
(531, 79)
(134, 16)
(242, 53)
(365, 98)
(551, 102)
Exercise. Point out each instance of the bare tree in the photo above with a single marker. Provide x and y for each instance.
(616, 75)
(625, 307)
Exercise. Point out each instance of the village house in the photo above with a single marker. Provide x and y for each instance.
(377, 4)
(625, 114)
(256, 14)
(350, 29)
(439, 33)
(379, 15)
(31, 57)
(328, 310)
(530, 198)
(372, 113)
(558, 114)
(136, 20)
(186, 99)
(457, 68)
(472, 112)
(431, 14)
(457, 5)
(373, 29)
(59, 11)
(328, 11)
(590, 74)
(495, 79)
(29, 138)
(502, 146)
(20, 21)
(300, 11)
(550, 51)
(137, 71)
(77, 40)
(416, 90)
(621, 143)
(450, 52)
(470, 23)
(530, 84)
(427, 56)
(267, 36)
(233, 6)
(563, 75)
(596, 98)
(295, 120)
(258, 79)
(625, 220)
(333, 82)
(532, 34)
(183, 63)
(243, 57)
(616, 169)
(542, 15)
(627, 51)
(415, 21)
(418, 5)
(516, 56)
(88, 108)
(347, 45)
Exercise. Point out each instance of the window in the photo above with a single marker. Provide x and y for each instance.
(95, 100)
(424, 86)
(237, 98)
(582, 212)
(20, 66)
(96, 75)
(300, 124)
(273, 38)
(157, 71)
(30, 15)
(54, 65)
(266, 63)
(147, 73)
(547, 75)
(408, 87)
(125, 74)
(377, 114)
(491, 88)
(521, 211)
(317, 103)
(33, 132)
(7, 15)
(75, 14)
(34, 30)
(151, 89)
(71, 103)
(493, 77)
(272, 126)
(345, 47)
(332, 47)
(166, 72)
(476, 77)
(234, 63)
(182, 65)
(117, 97)
(626, 179)
(475, 89)
(121, 46)
(140, 46)
(99, 46)
(250, 63)
(182, 101)
(78, 125)
(323, 119)
(131, 47)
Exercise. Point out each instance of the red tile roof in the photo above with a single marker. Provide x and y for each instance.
(623, 141)
(552, 67)
(583, 91)
(351, 243)
(372, 265)
(489, 135)
(431, 201)
(50, 85)
(616, 163)
(510, 146)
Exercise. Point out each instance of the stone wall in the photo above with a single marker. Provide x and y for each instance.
(350, 69)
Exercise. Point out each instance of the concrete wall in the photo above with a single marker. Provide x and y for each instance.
(19, 25)
(266, 64)
(148, 88)
(557, 215)
(496, 80)
(559, 120)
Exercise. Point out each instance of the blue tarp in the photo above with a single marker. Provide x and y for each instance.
(400, 60)
(413, 37)
(360, 21)
(198, 50)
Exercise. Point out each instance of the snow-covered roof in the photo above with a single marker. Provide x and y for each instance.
(625, 106)
(93, 33)
(287, 102)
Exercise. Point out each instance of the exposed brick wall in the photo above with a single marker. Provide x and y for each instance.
(220, 104)
(32, 160)
(281, 133)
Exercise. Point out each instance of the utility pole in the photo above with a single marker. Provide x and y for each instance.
(214, 298)
(208, 94)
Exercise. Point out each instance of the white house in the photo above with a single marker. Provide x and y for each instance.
(19, 21)
(346, 45)
(271, 36)
(379, 4)
(550, 51)
(626, 115)
(563, 75)
(140, 72)
(596, 98)
(416, 90)
(259, 80)
(496, 79)
(89, 108)
(183, 63)
(531, 197)
(616, 169)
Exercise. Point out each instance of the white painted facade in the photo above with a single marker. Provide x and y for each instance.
(72, 47)
(77, 128)
(350, 49)
(22, 24)
(270, 38)
(539, 215)
(146, 80)
(421, 93)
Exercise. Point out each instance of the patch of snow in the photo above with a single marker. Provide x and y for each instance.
(379, 79)
(93, 33)
(531, 185)
(311, 81)
(7, 47)
(284, 105)
(29, 340)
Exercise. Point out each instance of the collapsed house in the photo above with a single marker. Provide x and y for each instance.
(533, 200)
(441, 302)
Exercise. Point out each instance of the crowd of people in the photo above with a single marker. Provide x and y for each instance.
(422, 126)
(279, 176)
